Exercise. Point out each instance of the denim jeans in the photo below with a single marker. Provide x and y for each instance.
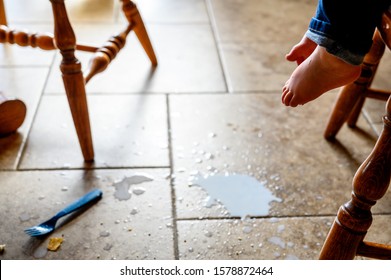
(345, 27)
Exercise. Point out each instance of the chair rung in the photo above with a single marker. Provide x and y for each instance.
(374, 250)
(86, 48)
(377, 94)
(104, 55)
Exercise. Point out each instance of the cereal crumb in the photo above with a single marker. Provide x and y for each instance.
(55, 243)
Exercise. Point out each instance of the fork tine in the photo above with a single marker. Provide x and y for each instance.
(32, 231)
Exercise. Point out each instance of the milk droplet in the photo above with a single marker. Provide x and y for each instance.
(105, 233)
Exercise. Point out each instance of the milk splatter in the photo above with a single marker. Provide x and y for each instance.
(122, 187)
(241, 195)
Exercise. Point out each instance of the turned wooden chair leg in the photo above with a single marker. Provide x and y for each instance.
(3, 18)
(134, 18)
(73, 77)
(351, 97)
(354, 218)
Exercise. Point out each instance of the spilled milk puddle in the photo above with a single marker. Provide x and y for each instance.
(241, 195)
(122, 187)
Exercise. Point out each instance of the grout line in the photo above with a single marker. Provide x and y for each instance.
(213, 26)
(127, 93)
(164, 23)
(85, 168)
(272, 217)
(173, 195)
(255, 217)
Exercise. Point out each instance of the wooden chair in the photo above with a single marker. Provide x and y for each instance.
(74, 79)
(346, 237)
(352, 97)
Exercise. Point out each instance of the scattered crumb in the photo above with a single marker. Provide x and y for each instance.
(55, 243)
(2, 248)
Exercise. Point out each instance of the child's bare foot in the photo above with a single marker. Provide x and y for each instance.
(319, 73)
(301, 51)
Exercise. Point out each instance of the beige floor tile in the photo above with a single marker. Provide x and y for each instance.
(298, 238)
(187, 57)
(173, 11)
(27, 85)
(262, 20)
(35, 11)
(207, 49)
(127, 131)
(235, 134)
(27, 11)
(256, 66)
(266, 239)
(136, 228)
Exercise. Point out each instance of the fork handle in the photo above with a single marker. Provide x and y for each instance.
(87, 198)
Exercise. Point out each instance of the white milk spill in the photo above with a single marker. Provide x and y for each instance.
(242, 195)
(122, 187)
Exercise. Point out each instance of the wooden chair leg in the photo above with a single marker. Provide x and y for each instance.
(73, 77)
(346, 100)
(355, 113)
(351, 97)
(3, 18)
(369, 185)
(133, 16)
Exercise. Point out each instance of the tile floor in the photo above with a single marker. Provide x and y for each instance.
(211, 107)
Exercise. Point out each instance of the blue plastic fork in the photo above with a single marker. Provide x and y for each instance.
(49, 225)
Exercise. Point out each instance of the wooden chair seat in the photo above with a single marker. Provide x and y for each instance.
(74, 79)
(346, 239)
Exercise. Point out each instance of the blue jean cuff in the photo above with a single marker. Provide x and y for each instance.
(333, 47)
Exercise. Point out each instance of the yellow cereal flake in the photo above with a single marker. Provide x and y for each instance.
(55, 243)
(2, 248)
